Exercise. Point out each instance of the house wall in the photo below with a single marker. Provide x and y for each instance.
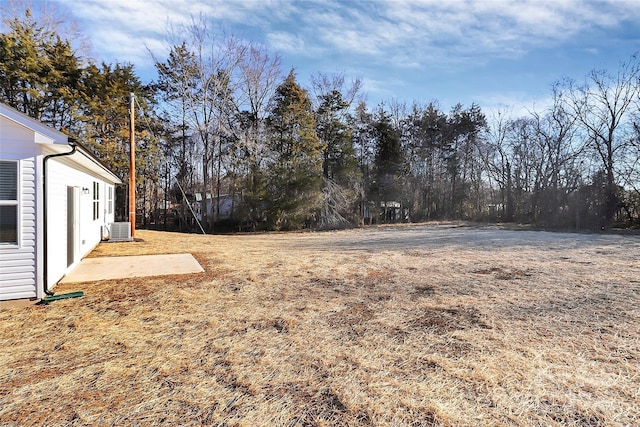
(18, 263)
(60, 176)
(27, 141)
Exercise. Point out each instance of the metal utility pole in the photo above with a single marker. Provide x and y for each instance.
(132, 166)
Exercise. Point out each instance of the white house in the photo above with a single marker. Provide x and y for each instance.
(55, 196)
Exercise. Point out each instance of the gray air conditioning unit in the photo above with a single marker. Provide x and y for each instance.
(121, 232)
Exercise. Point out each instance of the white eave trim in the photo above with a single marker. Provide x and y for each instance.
(84, 160)
(56, 142)
(43, 134)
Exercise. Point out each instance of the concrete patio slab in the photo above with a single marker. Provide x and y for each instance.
(106, 268)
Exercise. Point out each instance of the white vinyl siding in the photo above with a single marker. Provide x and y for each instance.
(61, 174)
(18, 261)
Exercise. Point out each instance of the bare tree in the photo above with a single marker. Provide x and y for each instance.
(323, 84)
(176, 80)
(204, 70)
(494, 152)
(602, 106)
(333, 100)
(630, 171)
(260, 73)
(561, 149)
(50, 16)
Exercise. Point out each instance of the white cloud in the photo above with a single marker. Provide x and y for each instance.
(461, 28)
(410, 32)
(286, 42)
(513, 104)
(384, 41)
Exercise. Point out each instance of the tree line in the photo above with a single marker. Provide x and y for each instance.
(225, 126)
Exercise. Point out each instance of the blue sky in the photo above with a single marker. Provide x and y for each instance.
(497, 53)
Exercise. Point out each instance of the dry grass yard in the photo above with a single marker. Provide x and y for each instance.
(435, 325)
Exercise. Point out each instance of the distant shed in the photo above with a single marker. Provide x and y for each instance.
(55, 197)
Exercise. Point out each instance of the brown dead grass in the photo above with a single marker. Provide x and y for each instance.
(408, 326)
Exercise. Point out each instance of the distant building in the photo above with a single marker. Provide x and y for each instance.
(211, 204)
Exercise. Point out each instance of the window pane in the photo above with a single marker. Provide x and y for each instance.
(110, 200)
(8, 180)
(96, 198)
(9, 224)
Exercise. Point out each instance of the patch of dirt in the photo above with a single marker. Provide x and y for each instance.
(444, 320)
(504, 273)
(353, 314)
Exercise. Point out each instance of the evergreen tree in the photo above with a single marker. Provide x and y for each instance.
(105, 119)
(341, 175)
(39, 72)
(176, 84)
(339, 162)
(364, 145)
(386, 185)
(106, 92)
(294, 174)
